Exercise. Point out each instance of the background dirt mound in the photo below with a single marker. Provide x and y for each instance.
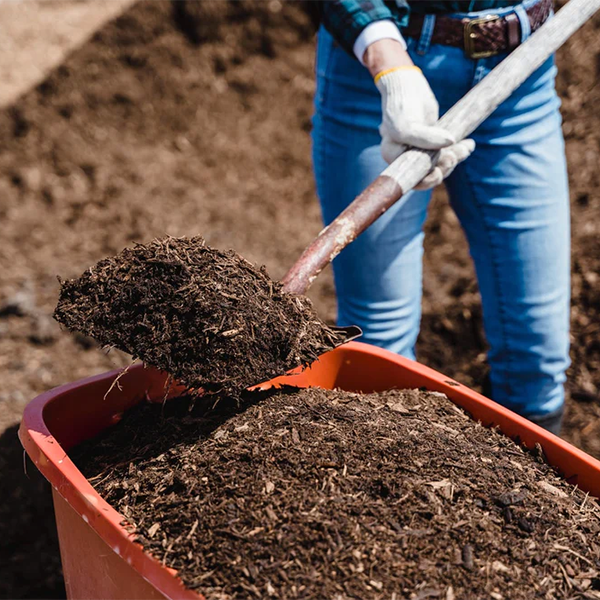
(246, 26)
(158, 128)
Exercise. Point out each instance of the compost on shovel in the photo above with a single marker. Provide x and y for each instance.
(209, 318)
(328, 494)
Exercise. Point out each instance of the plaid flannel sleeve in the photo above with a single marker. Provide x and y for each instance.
(345, 19)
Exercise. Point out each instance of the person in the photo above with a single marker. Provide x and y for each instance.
(385, 71)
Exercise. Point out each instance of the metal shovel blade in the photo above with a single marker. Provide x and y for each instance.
(351, 332)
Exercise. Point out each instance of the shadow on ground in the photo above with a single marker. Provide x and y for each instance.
(29, 552)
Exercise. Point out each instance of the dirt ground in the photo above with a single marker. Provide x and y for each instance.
(166, 123)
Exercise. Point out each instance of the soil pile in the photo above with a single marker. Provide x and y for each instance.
(209, 318)
(319, 494)
(245, 28)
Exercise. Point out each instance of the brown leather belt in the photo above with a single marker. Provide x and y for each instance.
(484, 36)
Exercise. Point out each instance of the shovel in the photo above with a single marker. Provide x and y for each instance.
(201, 336)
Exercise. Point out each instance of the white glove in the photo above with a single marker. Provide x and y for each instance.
(410, 112)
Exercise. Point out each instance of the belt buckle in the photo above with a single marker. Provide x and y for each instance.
(470, 36)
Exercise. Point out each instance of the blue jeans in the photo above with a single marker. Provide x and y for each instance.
(511, 197)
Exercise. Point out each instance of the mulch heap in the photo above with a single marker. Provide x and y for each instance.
(195, 312)
(327, 494)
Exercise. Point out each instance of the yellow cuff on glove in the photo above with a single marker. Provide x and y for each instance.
(392, 69)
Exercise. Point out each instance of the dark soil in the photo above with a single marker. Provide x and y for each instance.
(319, 494)
(209, 318)
(30, 566)
(195, 121)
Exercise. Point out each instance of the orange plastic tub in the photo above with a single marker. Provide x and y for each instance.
(100, 558)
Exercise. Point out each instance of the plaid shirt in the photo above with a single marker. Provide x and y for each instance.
(345, 19)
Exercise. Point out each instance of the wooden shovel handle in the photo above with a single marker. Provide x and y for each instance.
(461, 120)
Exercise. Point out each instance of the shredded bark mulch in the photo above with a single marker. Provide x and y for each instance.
(209, 318)
(327, 494)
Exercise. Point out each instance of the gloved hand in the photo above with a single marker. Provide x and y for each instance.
(410, 112)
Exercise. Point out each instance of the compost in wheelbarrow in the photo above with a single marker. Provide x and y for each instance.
(329, 494)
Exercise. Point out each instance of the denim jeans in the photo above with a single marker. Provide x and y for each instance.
(511, 197)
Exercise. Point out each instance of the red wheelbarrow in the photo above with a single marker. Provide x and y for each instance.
(100, 557)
